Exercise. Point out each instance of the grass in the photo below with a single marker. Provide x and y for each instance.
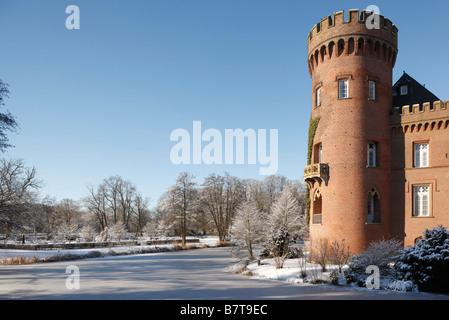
(95, 254)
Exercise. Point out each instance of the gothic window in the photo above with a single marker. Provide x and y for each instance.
(373, 212)
(317, 208)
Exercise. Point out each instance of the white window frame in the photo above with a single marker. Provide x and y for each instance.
(343, 89)
(318, 97)
(421, 201)
(372, 90)
(372, 154)
(404, 90)
(421, 155)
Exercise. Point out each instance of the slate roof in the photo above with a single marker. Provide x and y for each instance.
(417, 93)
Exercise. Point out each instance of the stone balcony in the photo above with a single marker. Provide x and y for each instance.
(317, 172)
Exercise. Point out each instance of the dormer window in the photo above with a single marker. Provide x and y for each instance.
(404, 90)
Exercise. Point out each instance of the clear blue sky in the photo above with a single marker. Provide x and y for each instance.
(103, 100)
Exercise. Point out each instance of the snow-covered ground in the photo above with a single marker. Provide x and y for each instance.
(293, 271)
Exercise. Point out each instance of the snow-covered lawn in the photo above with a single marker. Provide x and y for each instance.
(303, 273)
(293, 271)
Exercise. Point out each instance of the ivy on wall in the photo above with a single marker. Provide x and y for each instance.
(312, 130)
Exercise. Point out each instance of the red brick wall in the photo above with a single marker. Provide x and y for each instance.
(430, 126)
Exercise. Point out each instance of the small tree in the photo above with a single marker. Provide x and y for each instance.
(117, 231)
(247, 227)
(339, 254)
(286, 221)
(319, 253)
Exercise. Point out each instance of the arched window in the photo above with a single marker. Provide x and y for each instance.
(317, 208)
(361, 46)
(373, 212)
(341, 47)
(351, 46)
(331, 48)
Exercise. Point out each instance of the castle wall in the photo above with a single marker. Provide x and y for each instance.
(427, 123)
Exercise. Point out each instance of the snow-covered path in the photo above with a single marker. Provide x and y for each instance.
(188, 275)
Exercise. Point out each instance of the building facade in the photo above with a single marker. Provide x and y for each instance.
(376, 170)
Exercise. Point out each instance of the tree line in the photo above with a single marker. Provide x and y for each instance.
(115, 205)
(185, 208)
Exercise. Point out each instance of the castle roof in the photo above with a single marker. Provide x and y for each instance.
(408, 91)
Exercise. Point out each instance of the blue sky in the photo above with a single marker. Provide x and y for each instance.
(103, 100)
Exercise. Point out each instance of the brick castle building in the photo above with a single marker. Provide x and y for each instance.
(378, 162)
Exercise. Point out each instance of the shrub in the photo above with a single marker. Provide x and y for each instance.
(427, 263)
(19, 260)
(382, 254)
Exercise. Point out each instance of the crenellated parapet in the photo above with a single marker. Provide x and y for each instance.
(417, 117)
(335, 37)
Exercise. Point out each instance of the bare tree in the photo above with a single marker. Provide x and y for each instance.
(7, 120)
(339, 254)
(320, 252)
(142, 212)
(220, 196)
(117, 200)
(18, 186)
(96, 204)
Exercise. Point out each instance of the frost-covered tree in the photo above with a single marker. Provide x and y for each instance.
(285, 222)
(247, 229)
(87, 232)
(180, 202)
(117, 231)
(427, 263)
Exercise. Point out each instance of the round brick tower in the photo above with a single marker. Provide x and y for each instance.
(351, 65)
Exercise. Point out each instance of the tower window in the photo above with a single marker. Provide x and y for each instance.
(421, 207)
(372, 154)
(421, 155)
(373, 213)
(318, 153)
(343, 89)
(372, 90)
(317, 217)
(318, 97)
